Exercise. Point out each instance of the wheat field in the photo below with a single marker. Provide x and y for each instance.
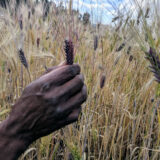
(121, 118)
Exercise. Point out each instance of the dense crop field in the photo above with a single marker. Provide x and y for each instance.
(121, 117)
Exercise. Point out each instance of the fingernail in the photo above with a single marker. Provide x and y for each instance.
(73, 69)
(84, 90)
(81, 76)
(76, 68)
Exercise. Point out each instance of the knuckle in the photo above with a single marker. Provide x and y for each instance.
(45, 87)
(84, 93)
(76, 66)
(76, 118)
(58, 110)
(73, 69)
(80, 79)
(50, 101)
(79, 110)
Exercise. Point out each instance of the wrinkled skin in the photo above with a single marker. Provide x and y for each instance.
(46, 105)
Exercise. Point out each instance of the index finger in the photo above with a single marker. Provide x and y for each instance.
(60, 75)
(54, 67)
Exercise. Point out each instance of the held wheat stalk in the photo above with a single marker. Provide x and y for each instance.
(69, 52)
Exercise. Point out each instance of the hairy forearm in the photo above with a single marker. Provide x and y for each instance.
(12, 145)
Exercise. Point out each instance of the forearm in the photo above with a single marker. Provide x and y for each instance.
(12, 145)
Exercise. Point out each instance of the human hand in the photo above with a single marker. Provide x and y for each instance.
(48, 103)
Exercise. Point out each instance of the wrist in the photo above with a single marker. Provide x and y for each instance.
(12, 142)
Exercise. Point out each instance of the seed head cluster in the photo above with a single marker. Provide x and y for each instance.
(120, 47)
(153, 58)
(38, 41)
(95, 42)
(69, 49)
(21, 24)
(129, 50)
(22, 58)
(102, 81)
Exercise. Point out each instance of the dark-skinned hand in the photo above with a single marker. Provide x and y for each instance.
(46, 105)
